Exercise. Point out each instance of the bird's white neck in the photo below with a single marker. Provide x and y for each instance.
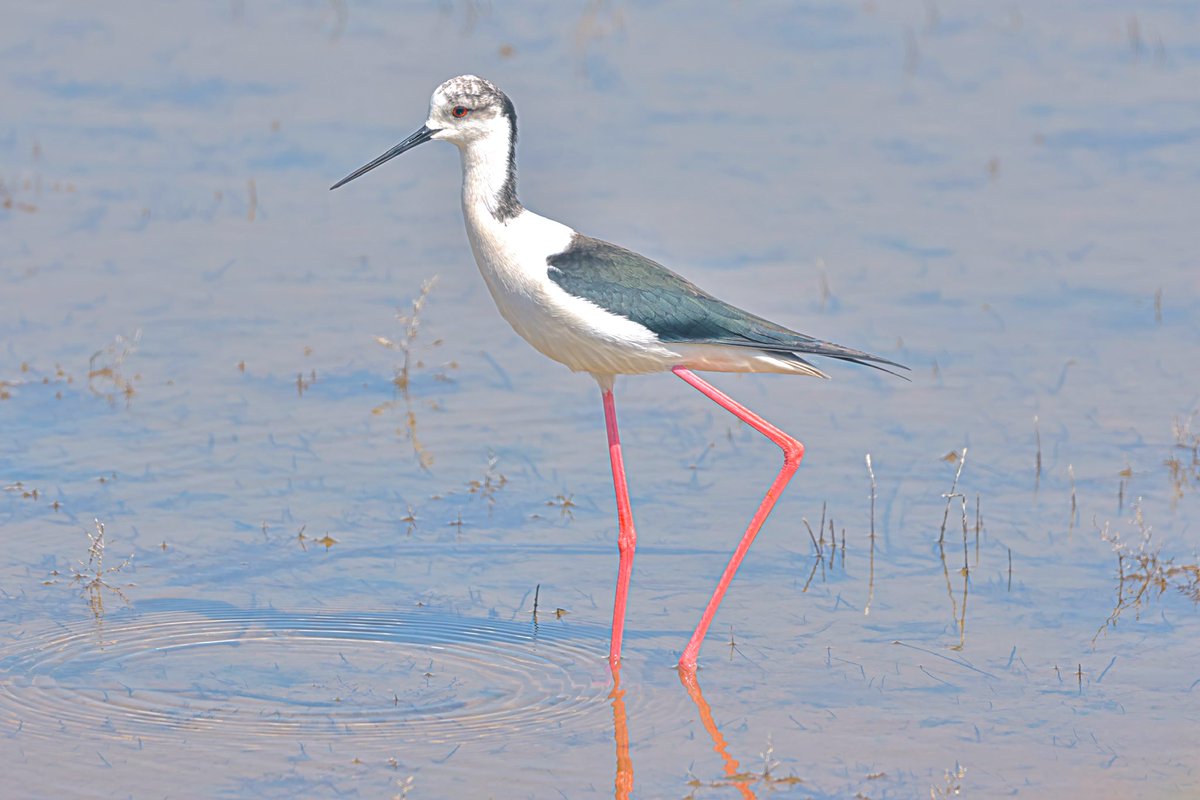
(490, 174)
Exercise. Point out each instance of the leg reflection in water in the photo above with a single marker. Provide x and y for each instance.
(735, 776)
(733, 770)
(624, 779)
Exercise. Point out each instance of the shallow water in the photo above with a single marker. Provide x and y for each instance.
(331, 582)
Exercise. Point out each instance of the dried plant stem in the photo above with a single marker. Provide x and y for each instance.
(412, 327)
(966, 576)
(978, 527)
(1037, 435)
(1074, 506)
(962, 459)
(871, 569)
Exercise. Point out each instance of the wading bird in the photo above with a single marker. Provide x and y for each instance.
(605, 310)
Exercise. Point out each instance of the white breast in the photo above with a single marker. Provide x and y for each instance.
(574, 331)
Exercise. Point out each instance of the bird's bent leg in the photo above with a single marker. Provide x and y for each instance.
(626, 536)
(793, 452)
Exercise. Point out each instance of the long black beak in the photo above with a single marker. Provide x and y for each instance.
(420, 137)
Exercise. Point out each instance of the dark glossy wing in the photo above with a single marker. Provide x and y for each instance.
(622, 282)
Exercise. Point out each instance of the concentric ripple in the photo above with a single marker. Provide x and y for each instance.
(411, 676)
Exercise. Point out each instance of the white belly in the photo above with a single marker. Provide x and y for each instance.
(568, 329)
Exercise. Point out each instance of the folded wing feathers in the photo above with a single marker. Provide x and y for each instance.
(631, 285)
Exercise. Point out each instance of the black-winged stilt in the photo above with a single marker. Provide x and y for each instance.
(605, 310)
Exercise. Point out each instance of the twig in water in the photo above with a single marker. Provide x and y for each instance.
(1037, 435)
(832, 545)
(966, 576)
(978, 526)
(1074, 507)
(871, 569)
(949, 587)
(818, 559)
(822, 525)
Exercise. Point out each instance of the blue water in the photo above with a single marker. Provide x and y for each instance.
(1001, 198)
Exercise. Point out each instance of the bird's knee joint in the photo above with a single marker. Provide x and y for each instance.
(793, 452)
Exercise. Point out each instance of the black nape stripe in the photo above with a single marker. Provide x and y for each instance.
(509, 206)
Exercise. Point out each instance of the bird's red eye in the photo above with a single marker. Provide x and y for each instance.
(460, 111)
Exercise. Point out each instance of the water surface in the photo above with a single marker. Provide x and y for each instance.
(331, 581)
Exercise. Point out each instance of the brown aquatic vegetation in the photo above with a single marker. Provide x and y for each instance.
(1143, 574)
(302, 383)
(29, 376)
(565, 503)
(490, 484)
(106, 375)
(1183, 466)
(411, 325)
(93, 577)
(19, 488)
(410, 519)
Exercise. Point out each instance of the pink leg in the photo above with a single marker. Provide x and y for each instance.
(626, 536)
(793, 451)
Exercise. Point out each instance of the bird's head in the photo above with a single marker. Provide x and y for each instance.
(468, 108)
(463, 111)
